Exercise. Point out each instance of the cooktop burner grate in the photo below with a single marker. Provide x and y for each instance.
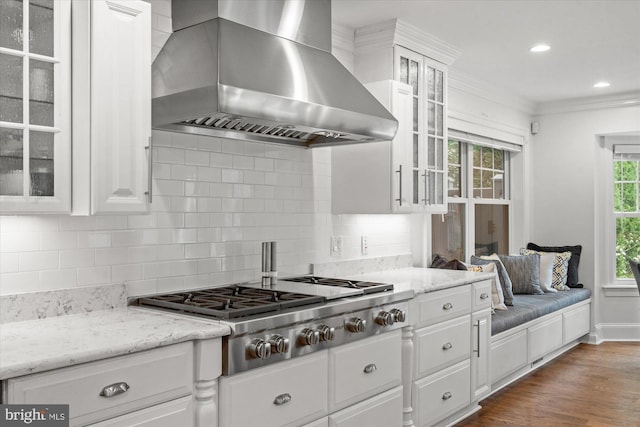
(230, 301)
(367, 287)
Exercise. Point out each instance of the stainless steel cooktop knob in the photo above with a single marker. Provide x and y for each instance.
(326, 332)
(309, 337)
(399, 315)
(279, 344)
(259, 349)
(385, 318)
(356, 325)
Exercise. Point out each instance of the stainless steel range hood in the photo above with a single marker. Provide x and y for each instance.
(261, 70)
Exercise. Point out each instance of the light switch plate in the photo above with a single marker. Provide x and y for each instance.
(364, 245)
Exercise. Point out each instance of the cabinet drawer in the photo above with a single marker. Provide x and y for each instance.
(152, 376)
(364, 368)
(383, 410)
(508, 355)
(442, 345)
(545, 337)
(289, 393)
(481, 295)
(442, 305)
(441, 394)
(178, 412)
(576, 323)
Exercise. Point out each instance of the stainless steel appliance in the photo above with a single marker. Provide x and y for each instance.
(261, 71)
(292, 318)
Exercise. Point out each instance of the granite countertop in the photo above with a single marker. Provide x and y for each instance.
(39, 345)
(423, 280)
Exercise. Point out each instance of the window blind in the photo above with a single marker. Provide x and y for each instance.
(484, 141)
(626, 152)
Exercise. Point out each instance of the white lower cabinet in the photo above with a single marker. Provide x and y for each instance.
(383, 410)
(450, 348)
(156, 387)
(290, 393)
(363, 369)
(178, 412)
(441, 394)
(322, 422)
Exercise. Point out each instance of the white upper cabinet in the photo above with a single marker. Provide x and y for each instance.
(75, 134)
(398, 51)
(376, 177)
(35, 131)
(111, 106)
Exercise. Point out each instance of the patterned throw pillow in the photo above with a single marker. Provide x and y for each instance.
(560, 268)
(497, 297)
(503, 276)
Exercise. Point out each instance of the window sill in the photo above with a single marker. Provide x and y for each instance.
(618, 290)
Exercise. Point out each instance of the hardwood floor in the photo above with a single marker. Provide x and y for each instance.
(587, 386)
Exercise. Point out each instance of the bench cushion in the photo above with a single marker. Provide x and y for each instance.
(529, 307)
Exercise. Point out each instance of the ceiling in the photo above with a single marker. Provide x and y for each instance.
(590, 41)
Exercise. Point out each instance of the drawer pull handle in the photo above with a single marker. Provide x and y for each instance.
(282, 399)
(484, 295)
(370, 368)
(114, 389)
(447, 346)
(447, 396)
(447, 306)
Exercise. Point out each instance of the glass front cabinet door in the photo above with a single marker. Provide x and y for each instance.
(35, 168)
(429, 156)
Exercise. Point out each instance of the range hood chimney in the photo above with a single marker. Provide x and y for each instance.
(261, 70)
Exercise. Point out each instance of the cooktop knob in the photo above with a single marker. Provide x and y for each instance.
(259, 349)
(309, 337)
(356, 325)
(385, 318)
(399, 315)
(279, 344)
(326, 332)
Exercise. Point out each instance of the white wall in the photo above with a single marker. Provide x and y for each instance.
(565, 158)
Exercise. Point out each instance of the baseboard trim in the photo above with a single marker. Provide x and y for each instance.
(617, 332)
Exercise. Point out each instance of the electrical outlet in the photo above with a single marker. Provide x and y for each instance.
(336, 246)
(364, 245)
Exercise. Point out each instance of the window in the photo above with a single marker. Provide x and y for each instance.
(477, 220)
(626, 207)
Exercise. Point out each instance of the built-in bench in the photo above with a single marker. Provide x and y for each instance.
(536, 329)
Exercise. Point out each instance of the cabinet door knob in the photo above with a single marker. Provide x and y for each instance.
(370, 368)
(282, 399)
(447, 306)
(447, 396)
(114, 389)
(447, 346)
(484, 295)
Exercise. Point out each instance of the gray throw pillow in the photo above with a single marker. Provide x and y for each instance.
(503, 277)
(524, 272)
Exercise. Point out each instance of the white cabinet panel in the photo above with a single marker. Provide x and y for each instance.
(284, 394)
(480, 354)
(443, 305)
(383, 410)
(576, 323)
(481, 295)
(151, 377)
(441, 345)
(508, 354)
(544, 337)
(178, 412)
(111, 106)
(364, 368)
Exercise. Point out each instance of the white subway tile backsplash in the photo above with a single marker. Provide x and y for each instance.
(215, 201)
(77, 258)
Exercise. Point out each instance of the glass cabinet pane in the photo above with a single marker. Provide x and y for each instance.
(416, 151)
(431, 83)
(11, 88)
(413, 77)
(439, 154)
(404, 70)
(41, 27)
(448, 234)
(431, 117)
(431, 152)
(41, 93)
(416, 111)
(439, 86)
(11, 163)
(439, 187)
(11, 33)
(439, 120)
(41, 163)
(416, 186)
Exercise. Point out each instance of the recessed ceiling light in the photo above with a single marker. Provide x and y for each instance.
(601, 84)
(540, 48)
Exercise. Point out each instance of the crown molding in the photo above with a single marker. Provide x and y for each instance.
(467, 83)
(395, 32)
(342, 38)
(619, 100)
